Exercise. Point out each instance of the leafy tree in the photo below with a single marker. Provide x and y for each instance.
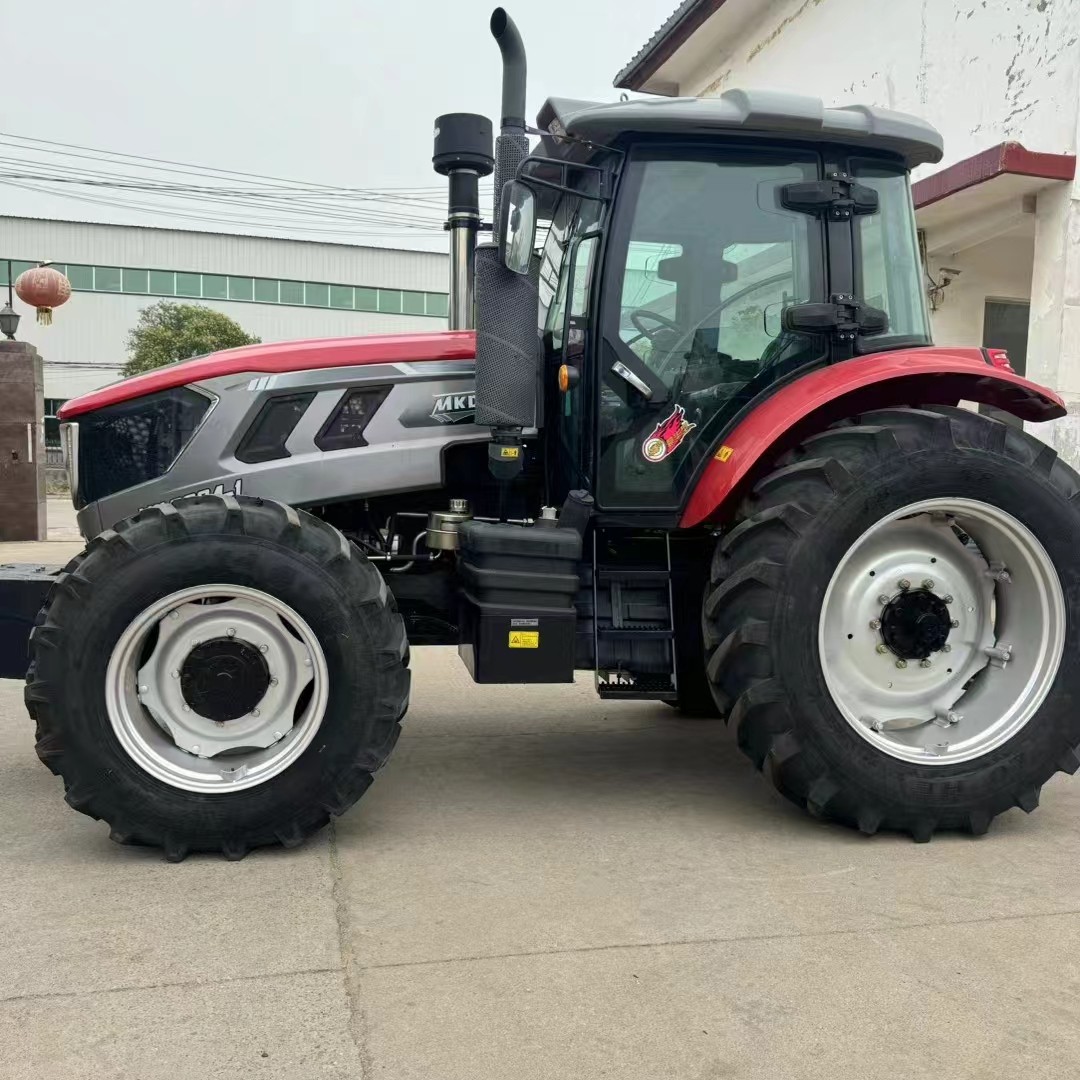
(167, 332)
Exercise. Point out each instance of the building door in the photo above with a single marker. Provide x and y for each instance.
(1005, 326)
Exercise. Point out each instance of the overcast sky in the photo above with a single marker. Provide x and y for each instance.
(337, 92)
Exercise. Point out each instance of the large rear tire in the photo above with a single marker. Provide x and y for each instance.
(894, 620)
(217, 674)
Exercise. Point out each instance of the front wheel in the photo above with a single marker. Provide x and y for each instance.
(895, 621)
(217, 674)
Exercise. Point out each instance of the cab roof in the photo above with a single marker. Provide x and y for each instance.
(752, 112)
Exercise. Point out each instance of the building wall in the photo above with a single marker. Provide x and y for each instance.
(998, 269)
(86, 344)
(981, 71)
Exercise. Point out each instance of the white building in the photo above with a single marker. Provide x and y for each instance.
(275, 289)
(1000, 79)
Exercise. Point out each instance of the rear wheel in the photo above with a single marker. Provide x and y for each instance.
(894, 621)
(217, 674)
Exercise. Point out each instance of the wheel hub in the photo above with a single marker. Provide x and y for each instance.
(224, 679)
(915, 624)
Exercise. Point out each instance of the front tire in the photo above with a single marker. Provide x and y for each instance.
(862, 709)
(217, 674)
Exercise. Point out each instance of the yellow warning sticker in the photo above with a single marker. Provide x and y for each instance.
(724, 453)
(509, 451)
(524, 639)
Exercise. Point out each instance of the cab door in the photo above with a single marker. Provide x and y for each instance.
(701, 261)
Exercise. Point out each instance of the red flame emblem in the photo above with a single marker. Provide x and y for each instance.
(667, 435)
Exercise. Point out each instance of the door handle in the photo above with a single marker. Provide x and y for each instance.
(638, 383)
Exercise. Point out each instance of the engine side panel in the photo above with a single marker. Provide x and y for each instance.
(429, 406)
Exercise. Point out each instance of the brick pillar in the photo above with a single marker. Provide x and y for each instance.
(22, 443)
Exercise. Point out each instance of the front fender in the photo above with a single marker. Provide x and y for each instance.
(929, 376)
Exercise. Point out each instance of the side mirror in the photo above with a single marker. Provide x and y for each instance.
(517, 226)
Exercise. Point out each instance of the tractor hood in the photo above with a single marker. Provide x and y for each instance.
(278, 357)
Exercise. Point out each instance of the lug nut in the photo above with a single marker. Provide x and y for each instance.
(946, 647)
(277, 734)
(904, 583)
(883, 599)
(254, 712)
(194, 749)
(143, 689)
(231, 631)
(307, 661)
(175, 674)
(263, 648)
(883, 648)
(947, 599)
(955, 623)
(875, 624)
(187, 708)
(174, 614)
(901, 663)
(273, 681)
(924, 663)
(927, 583)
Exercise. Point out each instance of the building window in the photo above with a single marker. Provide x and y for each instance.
(136, 281)
(291, 292)
(390, 301)
(52, 424)
(162, 283)
(191, 285)
(266, 291)
(215, 287)
(316, 295)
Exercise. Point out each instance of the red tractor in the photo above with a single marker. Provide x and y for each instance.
(700, 444)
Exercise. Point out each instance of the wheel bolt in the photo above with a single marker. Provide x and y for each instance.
(195, 642)
(883, 648)
(254, 712)
(924, 663)
(194, 749)
(307, 661)
(904, 583)
(187, 708)
(928, 583)
(174, 614)
(946, 647)
(875, 624)
(231, 631)
(947, 599)
(263, 648)
(883, 599)
(955, 623)
(273, 681)
(901, 663)
(175, 674)
(143, 689)
(277, 734)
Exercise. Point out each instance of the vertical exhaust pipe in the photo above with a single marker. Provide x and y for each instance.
(512, 146)
(463, 155)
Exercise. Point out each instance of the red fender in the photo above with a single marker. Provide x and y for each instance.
(930, 376)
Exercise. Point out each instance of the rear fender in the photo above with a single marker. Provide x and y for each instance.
(930, 376)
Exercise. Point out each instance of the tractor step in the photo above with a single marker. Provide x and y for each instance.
(633, 635)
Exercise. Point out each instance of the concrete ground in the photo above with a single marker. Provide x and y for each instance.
(539, 885)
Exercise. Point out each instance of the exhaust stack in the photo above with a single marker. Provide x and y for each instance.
(463, 155)
(512, 145)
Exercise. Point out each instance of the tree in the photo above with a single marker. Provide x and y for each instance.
(167, 332)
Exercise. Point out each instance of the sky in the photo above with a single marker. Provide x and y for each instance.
(330, 92)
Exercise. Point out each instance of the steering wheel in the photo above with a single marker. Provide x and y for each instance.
(637, 317)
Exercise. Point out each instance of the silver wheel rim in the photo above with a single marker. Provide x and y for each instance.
(1006, 631)
(165, 736)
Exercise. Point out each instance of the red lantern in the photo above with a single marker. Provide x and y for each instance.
(43, 288)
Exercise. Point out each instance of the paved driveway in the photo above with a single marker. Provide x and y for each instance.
(539, 885)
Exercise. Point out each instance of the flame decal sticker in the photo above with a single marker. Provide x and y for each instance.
(667, 435)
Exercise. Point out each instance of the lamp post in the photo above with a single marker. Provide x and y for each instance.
(9, 317)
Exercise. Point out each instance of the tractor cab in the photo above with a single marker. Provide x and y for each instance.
(697, 254)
